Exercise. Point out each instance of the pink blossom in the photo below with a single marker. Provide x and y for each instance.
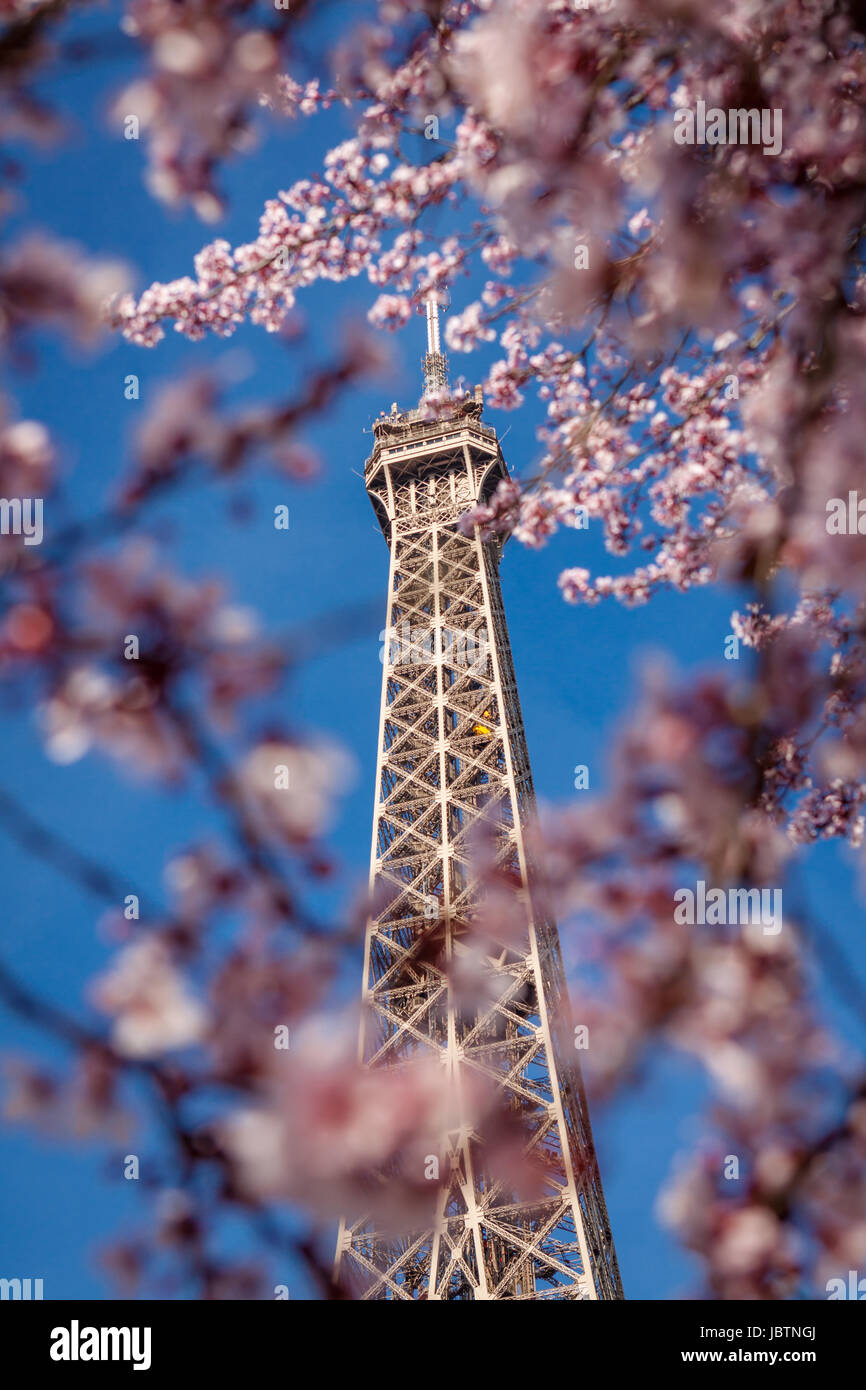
(153, 1010)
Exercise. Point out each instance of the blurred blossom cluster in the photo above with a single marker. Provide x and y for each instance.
(686, 800)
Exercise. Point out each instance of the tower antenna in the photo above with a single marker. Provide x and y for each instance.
(435, 361)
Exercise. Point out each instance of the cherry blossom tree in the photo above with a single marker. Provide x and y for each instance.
(691, 318)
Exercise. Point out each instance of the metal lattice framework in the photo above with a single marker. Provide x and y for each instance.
(452, 759)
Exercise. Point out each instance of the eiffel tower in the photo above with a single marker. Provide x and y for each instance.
(452, 764)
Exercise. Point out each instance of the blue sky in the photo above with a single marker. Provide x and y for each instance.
(576, 668)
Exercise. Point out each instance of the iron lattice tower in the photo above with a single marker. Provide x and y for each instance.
(452, 756)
